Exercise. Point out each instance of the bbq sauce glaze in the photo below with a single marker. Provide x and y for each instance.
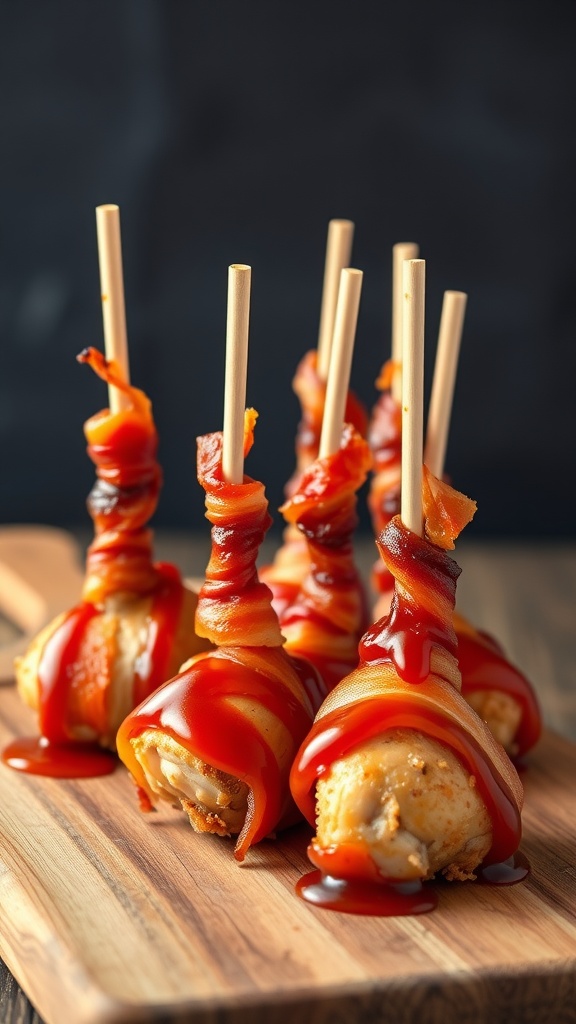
(347, 879)
(55, 752)
(396, 899)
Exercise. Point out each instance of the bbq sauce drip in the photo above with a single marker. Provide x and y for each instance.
(350, 896)
(348, 880)
(508, 872)
(396, 899)
(35, 755)
(420, 615)
(54, 752)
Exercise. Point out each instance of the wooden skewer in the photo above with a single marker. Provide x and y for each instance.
(341, 360)
(338, 256)
(414, 289)
(400, 252)
(237, 324)
(112, 292)
(450, 335)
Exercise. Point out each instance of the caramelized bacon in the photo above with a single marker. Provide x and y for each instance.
(328, 615)
(233, 605)
(123, 448)
(291, 563)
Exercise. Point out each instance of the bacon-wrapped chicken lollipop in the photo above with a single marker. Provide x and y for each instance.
(221, 736)
(399, 775)
(135, 623)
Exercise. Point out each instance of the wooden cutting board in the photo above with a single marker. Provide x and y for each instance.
(109, 915)
(40, 576)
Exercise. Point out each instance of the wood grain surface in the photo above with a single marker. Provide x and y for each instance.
(40, 575)
(109, 915)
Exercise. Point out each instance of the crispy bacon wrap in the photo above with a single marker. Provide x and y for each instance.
(135, 623)
(329, 613)
(221, 736)
(405, 693)
(291, 563)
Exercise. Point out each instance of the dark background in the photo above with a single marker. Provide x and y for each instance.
(232, 133)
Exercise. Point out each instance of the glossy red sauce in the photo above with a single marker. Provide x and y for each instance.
(407, 635)
(185, 706)
(404, 640)
(55, 673)
(350, 896)
(425, 611)
(348, 880)
(37, 756)
(55, 752)
(396, 899)
(509, 872)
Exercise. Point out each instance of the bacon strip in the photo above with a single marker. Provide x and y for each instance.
(328, 615)
(123, 448)
(292, 562)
